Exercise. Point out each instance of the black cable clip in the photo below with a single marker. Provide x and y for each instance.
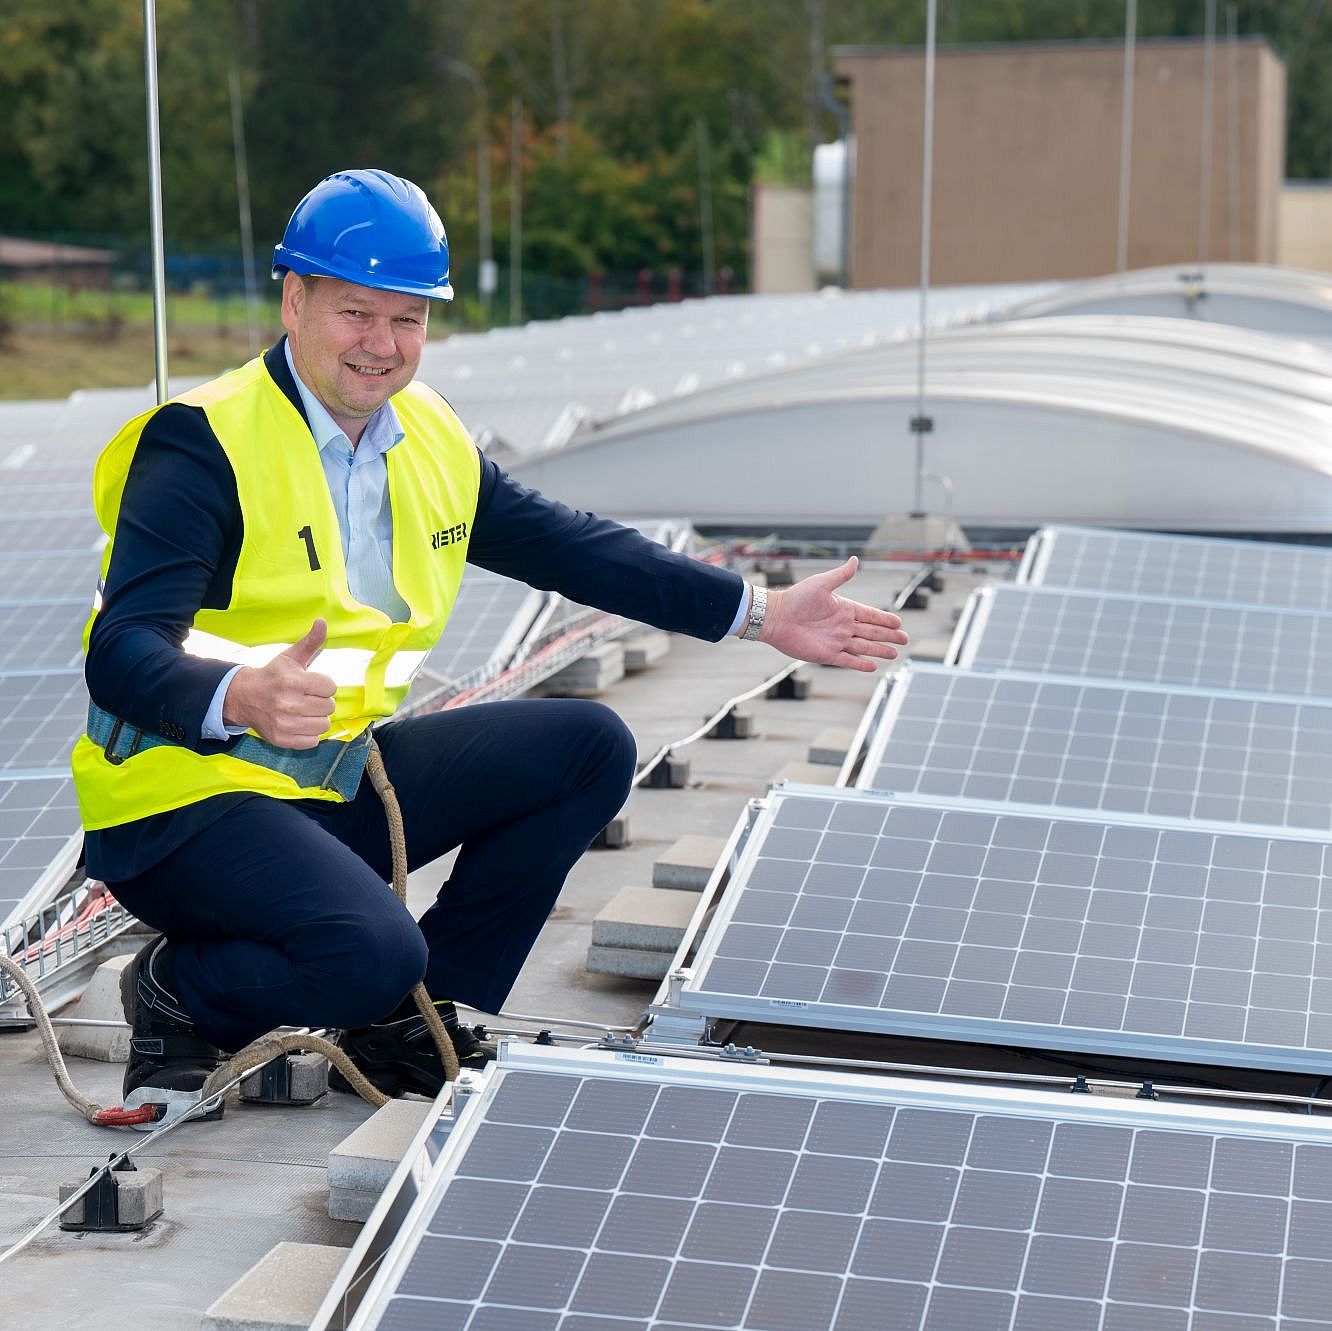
(100, 1210)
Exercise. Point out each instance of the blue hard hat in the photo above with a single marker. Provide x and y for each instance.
(370, 228)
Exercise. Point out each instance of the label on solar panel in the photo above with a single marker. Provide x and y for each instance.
(1202, 644)
(578, 1194)
(1116, 748)
(1265, 573)
(1043, 932)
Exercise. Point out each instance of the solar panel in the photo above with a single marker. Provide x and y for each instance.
(47, 574)
(1042, 740)
(50, 531)
(42, 714)
(23, 493)
(864, 913)
(488, 621)
(37, 819)
(1208, 645)
(42, 635)
(578, 1193)
(1183, 567)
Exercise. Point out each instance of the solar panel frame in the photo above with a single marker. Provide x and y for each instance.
(1106, 747)
(798, 1201)
(1266, 573)
(1056, 930)
(1156, 640)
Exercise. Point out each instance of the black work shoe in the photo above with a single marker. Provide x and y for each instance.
(398, 1054)
(168, 1060)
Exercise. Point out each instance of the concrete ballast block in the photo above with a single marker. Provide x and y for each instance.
(672, 773)
(792, 688)
(830, 746)
(644, 650)
(591, 674)
(100, 1002)
(615, 835)
(643, 917)
(364, 1161)
(303, 1080)
(138, 1198)
(689, 863)
(280, 1292)
(631, 963)
(734, 725)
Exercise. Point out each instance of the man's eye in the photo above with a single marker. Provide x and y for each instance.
(354, 314)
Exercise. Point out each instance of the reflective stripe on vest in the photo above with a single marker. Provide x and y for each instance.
(290, 571)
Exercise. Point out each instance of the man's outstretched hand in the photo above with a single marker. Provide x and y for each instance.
(811, 622)
(284, 702)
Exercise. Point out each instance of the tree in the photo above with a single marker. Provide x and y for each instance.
(612, 92)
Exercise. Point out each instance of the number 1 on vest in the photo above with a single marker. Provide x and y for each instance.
(308, 537)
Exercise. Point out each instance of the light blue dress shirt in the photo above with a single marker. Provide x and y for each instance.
(358, 484)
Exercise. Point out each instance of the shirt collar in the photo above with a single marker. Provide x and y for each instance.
(382, 431)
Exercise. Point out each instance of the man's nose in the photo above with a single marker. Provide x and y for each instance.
(378, 339)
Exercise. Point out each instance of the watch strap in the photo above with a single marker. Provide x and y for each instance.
(758, 610)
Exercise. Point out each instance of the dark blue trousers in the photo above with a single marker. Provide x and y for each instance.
(283, 909)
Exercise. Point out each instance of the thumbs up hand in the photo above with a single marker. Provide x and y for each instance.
(812, 622)
(284, 702)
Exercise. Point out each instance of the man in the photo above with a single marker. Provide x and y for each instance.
(287, 542)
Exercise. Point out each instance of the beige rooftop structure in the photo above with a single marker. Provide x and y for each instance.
(1026, 158)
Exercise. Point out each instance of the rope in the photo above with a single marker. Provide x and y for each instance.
(398, 846)
(88, 1108)
(274, 1045)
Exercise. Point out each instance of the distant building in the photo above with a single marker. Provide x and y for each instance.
(782, 239)
(67, 265)
(1026, 158)
(1304, 237)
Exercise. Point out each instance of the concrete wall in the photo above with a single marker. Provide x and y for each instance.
(1304, 233)
(1026, 159)
(783, 238)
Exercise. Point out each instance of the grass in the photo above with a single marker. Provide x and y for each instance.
(57, 340)
(51, 364)
(54, 341)
(52, 305)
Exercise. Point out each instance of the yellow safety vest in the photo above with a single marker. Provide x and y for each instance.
(291, 571)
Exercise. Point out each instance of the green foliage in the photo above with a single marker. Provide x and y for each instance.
(613, 94)
(784, 159)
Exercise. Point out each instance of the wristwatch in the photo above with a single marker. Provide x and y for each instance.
(758, 610)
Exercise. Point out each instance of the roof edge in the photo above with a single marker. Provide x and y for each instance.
(1057, 44)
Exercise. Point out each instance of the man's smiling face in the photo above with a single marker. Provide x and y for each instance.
(353, 346)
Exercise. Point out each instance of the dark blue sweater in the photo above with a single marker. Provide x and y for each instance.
(176, 545)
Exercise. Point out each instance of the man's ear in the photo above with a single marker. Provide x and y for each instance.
(293, 297)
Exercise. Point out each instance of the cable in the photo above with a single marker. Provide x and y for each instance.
(667, 749)
(267, 1047)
